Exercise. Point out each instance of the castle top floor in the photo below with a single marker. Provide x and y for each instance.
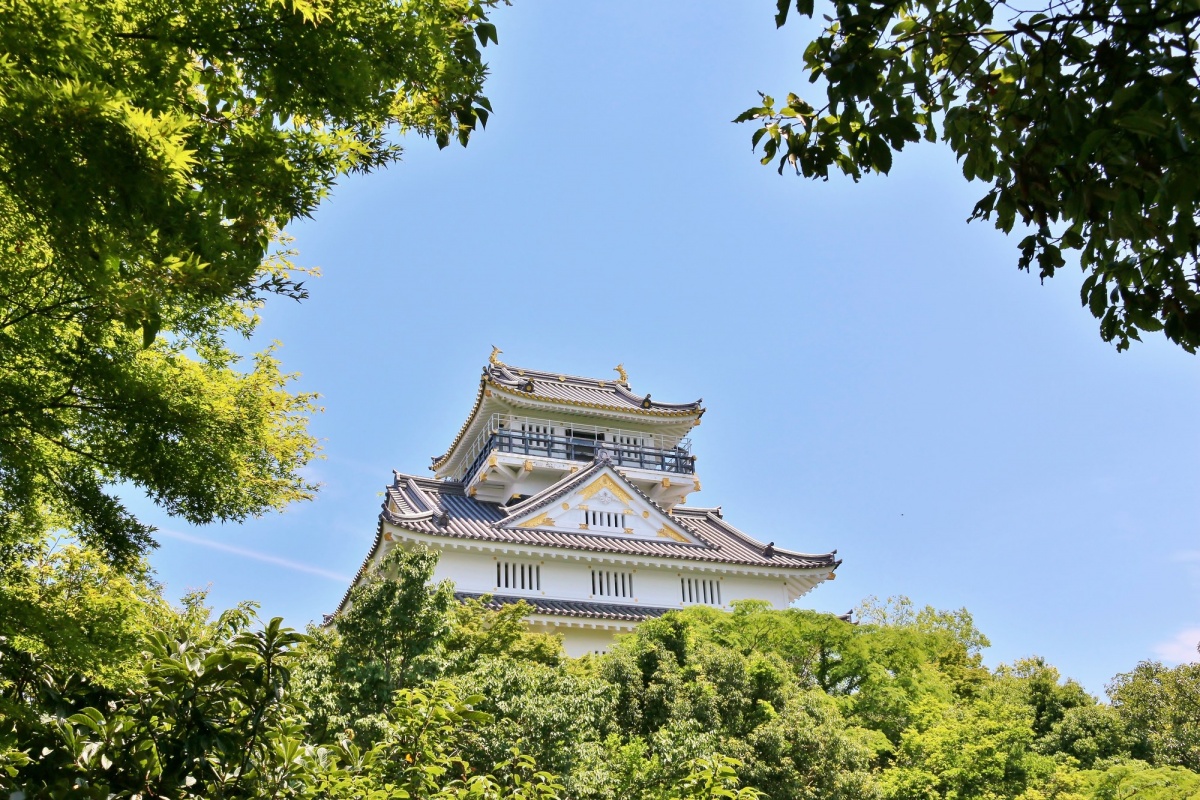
(528, 428)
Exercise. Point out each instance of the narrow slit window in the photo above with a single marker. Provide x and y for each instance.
(518, 575)
(700, 590)
(606, 520)
(609, 583)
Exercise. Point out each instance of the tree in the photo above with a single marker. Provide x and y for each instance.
(1035, 684)
(216, 718)
(978, 749)
(1160, 707)
(478, 634)
(384, 640)
(1088, 734)
(150, 157)
(557, 714)
(64, 610)
(1083, 116)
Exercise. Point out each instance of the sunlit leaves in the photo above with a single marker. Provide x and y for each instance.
(150, 157)
(1082, 116)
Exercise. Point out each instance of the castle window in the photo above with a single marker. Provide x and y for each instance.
(608, 583)
(537, 436)
(632, 450)
(700, 590)
(518, 575)
(605, 519)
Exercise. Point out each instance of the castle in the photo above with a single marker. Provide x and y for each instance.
(568, 493)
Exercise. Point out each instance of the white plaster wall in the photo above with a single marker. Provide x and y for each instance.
(565, 579)
(470, 571)
(581, 641)
(750, 587)
(570, 579)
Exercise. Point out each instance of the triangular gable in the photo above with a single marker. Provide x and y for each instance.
(598, 501)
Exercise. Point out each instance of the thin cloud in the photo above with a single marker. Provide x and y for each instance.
(1190, 559)
(267, 558)
(1180, 648)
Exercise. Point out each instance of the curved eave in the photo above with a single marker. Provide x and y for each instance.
(509, 377)
(440, 461)
(713, 516)
(658, 410)
(362, 570)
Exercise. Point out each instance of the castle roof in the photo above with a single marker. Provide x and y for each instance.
(443, 508)
(521, 386)
(570, 608)
(571, 389)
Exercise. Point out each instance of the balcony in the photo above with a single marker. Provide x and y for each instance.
(570, 442)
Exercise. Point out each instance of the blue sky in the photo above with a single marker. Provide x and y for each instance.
(880, 377)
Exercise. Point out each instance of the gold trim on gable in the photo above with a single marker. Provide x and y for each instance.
(538, 521)
(667, 533)
(604, 482)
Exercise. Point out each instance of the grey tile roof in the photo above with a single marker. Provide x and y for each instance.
(572, 608)
(442, 508)
(585, 391)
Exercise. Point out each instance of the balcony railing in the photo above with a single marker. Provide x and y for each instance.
(550, 439)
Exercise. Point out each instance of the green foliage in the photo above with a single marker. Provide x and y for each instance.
(151, 155)
(557, 715)
(214, 715)
(413, 695)
(1089, 734)
(477, 633)
(1137, 779)
(85, 403)
(1037, 686)
(399, 630)
(977, 749)
(64, 609)
(712, 778)
(807, 751)
(1083, 116)
(384, 641)
(1161, 707)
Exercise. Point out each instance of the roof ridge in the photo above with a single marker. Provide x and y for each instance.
(525, 372)
(508, 372)
(751, 540)
(425, 500)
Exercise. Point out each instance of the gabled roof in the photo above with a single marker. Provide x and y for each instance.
(518, 384)
(600, 474)
(443, 508)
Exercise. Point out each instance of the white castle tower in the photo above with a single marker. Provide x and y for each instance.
(567, 493)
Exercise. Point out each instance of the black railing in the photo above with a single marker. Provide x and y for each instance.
(583, 448)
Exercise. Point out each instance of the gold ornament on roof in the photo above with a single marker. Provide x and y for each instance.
(537, 522)
(621, 373)
(494, 358)
(601, 483)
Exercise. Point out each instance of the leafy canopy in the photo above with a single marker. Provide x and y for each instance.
(1083, 116)
(700, 703)
(151, 154)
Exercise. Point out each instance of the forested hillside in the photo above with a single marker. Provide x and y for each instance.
(107, 691)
